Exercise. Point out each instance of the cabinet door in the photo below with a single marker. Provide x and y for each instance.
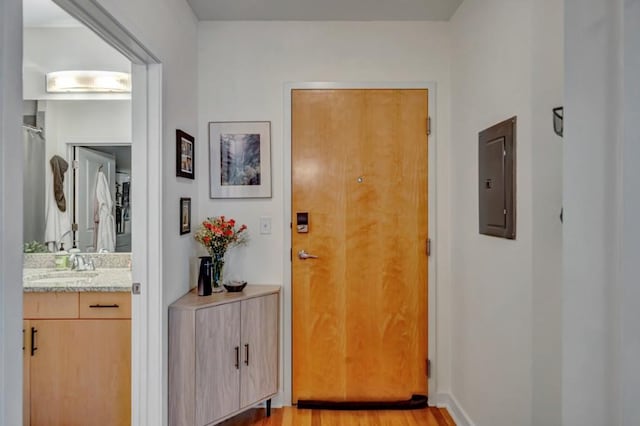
(26, 354)
(259, 349)
(81, 373)
(217, 362)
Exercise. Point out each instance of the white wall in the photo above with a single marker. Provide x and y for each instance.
(601, 321)
(60, 49)
(492, 277)
(168, 29)
(590, 291)
(547, 93)
(10, 212)
(243, 67)
(85, 121)
(630, 267)
(507, 59)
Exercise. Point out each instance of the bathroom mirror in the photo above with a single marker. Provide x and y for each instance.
(65, 200)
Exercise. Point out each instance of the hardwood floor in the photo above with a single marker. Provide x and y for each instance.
(290, 416)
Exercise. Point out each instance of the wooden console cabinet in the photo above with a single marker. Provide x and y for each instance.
(223, 354)
(77, 359)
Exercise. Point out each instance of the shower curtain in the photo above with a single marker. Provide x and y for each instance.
(34, 185)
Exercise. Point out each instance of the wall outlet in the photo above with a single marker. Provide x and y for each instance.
(265, 225)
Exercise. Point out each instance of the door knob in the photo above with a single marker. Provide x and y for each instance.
(304, 255)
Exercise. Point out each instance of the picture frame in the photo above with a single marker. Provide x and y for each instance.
(185, 216)
(240, 159)
(185, 155)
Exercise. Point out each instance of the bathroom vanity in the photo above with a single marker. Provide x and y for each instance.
(77, 346)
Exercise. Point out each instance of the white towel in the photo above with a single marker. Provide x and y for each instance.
(105, 229)
(57, 223)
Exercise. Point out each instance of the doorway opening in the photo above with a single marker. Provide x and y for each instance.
(146, 247)
(114, 161)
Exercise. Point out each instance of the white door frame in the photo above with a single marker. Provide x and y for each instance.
(11, 235)
(285, 398)
(146, 214)
(147, 400)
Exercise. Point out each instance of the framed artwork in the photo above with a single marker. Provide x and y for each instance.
(185, 155)
(240, 159)
(185, 215)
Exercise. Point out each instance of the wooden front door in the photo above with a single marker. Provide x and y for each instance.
(359, 169)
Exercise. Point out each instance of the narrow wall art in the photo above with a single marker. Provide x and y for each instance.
(240, 159)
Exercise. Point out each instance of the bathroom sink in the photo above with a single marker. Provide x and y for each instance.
(55, 276)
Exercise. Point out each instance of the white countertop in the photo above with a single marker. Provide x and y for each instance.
(102, 279)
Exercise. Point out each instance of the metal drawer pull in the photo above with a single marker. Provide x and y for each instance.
(115, 305)
(33, 341)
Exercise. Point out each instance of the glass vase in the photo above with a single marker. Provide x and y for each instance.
(217, 265)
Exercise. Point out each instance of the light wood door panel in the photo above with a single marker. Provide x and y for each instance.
(26, 378)
(105, 305)
(81, 385)
(50, 305)
(217, 362)
(359, 168)
(259, 377)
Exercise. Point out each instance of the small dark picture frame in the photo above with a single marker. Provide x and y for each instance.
(185, 215)
(185, 155)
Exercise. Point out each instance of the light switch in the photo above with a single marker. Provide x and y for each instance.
(265, 225)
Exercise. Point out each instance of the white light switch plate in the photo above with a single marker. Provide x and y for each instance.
(265, 225)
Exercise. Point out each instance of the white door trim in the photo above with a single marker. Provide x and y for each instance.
(146, 150)
(11, 235)
(285, 397)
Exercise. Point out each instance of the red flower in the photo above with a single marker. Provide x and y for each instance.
(218, 234)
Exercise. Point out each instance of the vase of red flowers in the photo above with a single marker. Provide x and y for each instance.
(217, 234)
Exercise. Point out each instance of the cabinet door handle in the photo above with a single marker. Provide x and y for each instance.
(246, 354)
(23, 339)
(98, 305)
(238, 357)
(34, 348)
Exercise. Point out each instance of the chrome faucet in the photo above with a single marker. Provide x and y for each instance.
(81, 263)
(59, 242)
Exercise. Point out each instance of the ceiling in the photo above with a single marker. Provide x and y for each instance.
(324, 10)
(45, 13)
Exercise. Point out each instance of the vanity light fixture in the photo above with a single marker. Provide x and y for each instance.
(88, 82)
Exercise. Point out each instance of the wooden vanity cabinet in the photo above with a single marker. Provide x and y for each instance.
(77, 359)
(223, 354)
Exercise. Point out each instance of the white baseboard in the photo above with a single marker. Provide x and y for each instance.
(448, 401)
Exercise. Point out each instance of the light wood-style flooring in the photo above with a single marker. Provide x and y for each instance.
(290, 416)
